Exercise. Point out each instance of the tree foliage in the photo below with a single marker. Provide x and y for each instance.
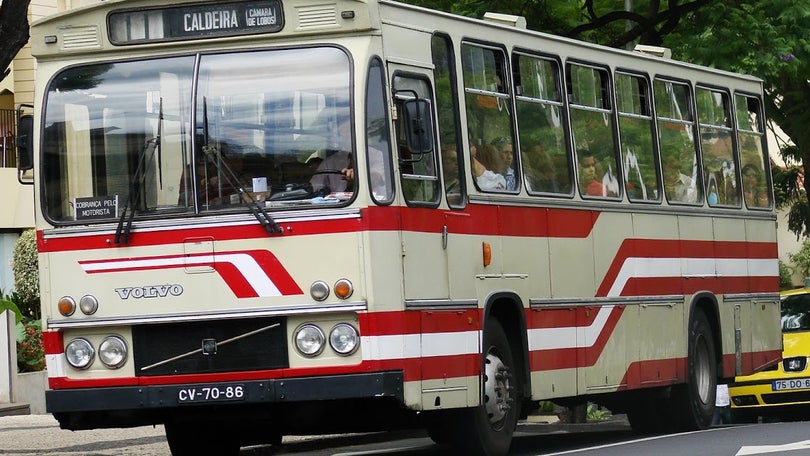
(769, 39)
(25, 266)
(13, 31)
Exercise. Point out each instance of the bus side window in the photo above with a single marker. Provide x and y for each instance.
(417, 160)
(593, 130)
(543, 145)
(444, 76)
(635, 128)
(676, 139)
(719, 164)
(752, 157)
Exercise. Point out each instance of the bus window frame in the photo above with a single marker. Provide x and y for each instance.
(656, 150)
(692, 110)
(564, 117)
(397, 99)
(611, 109)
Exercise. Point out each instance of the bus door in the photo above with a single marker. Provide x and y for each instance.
(424, 258)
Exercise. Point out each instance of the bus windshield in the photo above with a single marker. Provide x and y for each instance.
(156, 136)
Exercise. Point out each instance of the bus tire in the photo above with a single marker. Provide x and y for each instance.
(694, 401)
(194, 439)
(487, 429)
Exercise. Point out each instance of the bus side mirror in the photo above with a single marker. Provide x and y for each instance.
(418, 126)
(25, 148)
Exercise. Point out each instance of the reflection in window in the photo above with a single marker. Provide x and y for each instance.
(420, 181)
(283, 127)
(719, 169)
(489, 118)
(543, 147)
(447, 109)
(378, 136)
(755, 165)
(592, 127)
(796, 313)
(100, 139)
(635, 128)
(676, 138)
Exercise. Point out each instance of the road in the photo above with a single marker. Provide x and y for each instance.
(39, 435)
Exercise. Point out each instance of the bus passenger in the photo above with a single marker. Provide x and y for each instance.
(753, 187)
(678, 186)
(589, 182)
(487, 165)
(506, 150)
(539, 170)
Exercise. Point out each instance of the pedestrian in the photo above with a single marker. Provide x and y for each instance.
(722, 406)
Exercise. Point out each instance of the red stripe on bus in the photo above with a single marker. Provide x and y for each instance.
(477, 219)
(651, 286)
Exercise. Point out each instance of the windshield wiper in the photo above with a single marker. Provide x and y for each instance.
(150, 149)
(212, 155)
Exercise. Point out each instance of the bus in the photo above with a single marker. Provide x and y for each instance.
(263, 218)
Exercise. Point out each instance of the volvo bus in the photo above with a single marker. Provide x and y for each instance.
(263, 218)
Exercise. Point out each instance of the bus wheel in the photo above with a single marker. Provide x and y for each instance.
(489, 427)
(193, 439)
(694, 402)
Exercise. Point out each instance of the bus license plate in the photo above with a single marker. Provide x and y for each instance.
(211, 393)
(792, 384)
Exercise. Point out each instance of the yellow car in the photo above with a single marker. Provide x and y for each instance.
(783, 390)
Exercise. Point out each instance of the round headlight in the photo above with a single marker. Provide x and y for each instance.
(67, 306)
(113, 352)
(319, 290)
(80, 353)
(344, 339)
(309, 340)
(88, 304)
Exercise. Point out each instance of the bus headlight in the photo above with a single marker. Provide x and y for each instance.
(80, 353)
(344, 339)
(309, 340)
(113, 352)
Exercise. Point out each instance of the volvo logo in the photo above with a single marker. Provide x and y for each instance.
(149, 291)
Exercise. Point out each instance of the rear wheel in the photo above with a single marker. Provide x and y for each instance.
(196, 439)
(694, 402)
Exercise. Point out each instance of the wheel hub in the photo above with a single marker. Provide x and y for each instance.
(497, 388)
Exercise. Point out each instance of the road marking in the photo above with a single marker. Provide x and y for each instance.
(764, 449)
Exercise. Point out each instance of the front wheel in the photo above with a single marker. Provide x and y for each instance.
(487, 430)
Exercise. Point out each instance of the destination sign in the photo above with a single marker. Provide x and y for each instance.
(196, 21)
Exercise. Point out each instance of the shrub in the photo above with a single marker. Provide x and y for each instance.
(30, 348)
(26, 274)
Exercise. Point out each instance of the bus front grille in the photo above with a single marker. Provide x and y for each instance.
(210, 346)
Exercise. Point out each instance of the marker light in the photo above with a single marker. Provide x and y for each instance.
(66, 306)
(319, 290)
(309, 340)
(113, 352)
(79, 353)
(487, 251)
(343, 288)
(344, 339)
(88, 304)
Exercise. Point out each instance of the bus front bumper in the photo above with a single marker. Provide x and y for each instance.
(274, 391)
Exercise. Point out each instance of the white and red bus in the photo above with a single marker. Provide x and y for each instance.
(271, 217)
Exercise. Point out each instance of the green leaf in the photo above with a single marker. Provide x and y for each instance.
(8, 305)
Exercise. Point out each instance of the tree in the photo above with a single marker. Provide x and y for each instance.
(13, 31)
(764, 38)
